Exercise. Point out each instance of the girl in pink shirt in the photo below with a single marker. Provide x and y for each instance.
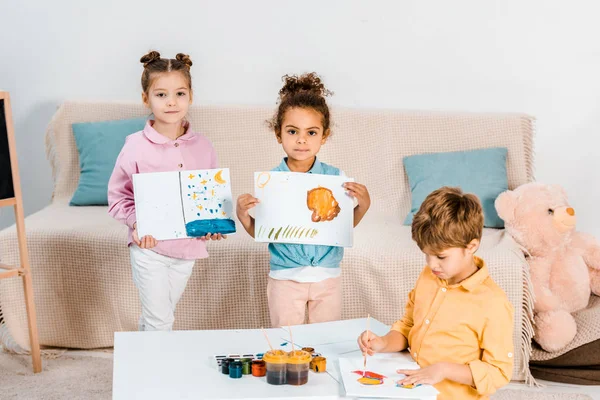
(160, 269)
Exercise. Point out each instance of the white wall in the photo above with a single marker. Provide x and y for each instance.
(537, 57)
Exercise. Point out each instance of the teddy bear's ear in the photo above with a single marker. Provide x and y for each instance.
(506, 204)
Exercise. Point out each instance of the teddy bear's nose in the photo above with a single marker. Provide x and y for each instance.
(570, 211)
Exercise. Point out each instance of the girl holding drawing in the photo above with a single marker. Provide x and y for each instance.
(160, 269)
(303, 275)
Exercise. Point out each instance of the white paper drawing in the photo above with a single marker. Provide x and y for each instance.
(303, 208)
(384, 370)
(183, 204)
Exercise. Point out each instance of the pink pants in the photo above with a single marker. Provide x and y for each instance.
(288, 301)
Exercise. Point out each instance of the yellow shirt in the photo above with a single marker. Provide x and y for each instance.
(467, 323)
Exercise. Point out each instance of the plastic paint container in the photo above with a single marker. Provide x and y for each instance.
(276, 361)
(225, 365)
(318, 364)
(235, 369)
(259, 368)
(297, 367)
(246, 369)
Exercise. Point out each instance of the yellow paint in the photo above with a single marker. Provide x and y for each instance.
(263, 179)
(370, 381)
(223, 212)
(218, 178)
(204, 181)
(191, 176)
(199, 207)
(212, 192)
(195, 196)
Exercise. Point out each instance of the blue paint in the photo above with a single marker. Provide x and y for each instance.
(220, 206)
(235, 370)
(198, 214)
(283, 344)
(211, 211)
(202, 227)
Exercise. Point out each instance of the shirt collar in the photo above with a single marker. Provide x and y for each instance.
(317, 167)
(155, 137)
(474, 280)
(478, 277)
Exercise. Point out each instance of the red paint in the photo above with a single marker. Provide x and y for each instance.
(369, 374)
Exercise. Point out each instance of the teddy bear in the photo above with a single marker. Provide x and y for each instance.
(564, 264)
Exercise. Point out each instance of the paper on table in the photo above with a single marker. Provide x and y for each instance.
(386, 367)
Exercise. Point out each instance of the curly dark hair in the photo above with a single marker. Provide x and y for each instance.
(153, 65)
(304, 91)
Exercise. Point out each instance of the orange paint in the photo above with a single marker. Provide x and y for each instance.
(370, 381)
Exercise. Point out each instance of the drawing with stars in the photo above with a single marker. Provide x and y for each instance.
(206, 199)
(184, 204)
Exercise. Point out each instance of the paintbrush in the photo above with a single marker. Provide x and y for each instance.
(366, 352)
(291, 337)
(266, 337)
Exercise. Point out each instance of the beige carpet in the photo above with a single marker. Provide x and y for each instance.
(76, 376)
(66, 377)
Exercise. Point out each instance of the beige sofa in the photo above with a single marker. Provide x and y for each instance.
(82, 278)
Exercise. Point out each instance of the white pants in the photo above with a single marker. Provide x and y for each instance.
(160, 281)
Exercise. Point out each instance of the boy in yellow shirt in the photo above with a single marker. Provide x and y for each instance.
(458, 323)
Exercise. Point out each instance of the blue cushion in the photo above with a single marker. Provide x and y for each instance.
(481, 172)
(99, 145)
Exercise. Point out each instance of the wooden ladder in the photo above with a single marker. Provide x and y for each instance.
(14, 199)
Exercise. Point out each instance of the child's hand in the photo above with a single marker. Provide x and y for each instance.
(430, 375)
(360, 193)
(147, 241)
(214, 236)
(244, 203)
(373, 345)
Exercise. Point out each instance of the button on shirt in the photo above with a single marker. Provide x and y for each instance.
(468, 323)
(149, 151)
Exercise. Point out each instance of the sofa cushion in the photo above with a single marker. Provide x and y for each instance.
(98, 145)
(481, 172)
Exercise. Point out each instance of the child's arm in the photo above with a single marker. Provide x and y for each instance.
(361, 194)
(121, 203)
(436, 373)
(246, 202)
(396, 339)
(487, 374)
(494, 369)
(393, 341)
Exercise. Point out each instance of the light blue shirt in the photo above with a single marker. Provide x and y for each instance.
(288, 255)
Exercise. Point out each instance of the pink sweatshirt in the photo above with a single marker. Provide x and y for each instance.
(149, 151)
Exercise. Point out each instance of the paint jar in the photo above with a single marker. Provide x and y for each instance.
(297, 367)
(246, 369)
(259, 368)
(225, 365)
(309, 350)
(276, 361)
(235, 369)
(318, 364)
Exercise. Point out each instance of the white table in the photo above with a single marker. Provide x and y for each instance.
(181, 365)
